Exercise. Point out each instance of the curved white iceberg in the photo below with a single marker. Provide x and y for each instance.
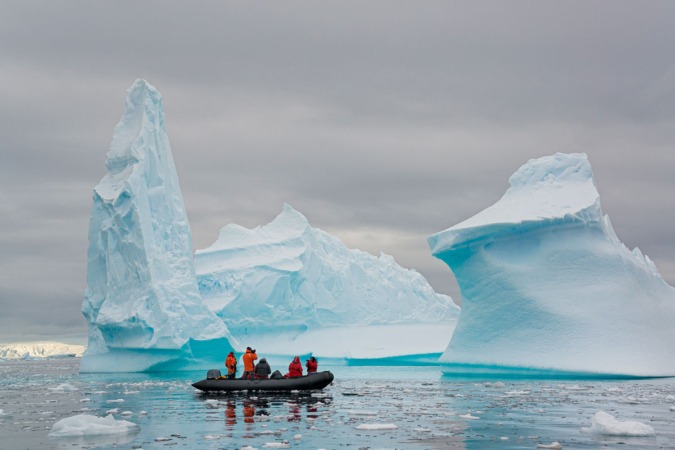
(548, 288)
(290, 289)
(142, 302)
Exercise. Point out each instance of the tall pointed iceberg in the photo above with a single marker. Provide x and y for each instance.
(142, 302)
(548, 288)
(290, 289)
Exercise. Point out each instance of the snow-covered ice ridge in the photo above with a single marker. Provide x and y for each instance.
(42, 349)
(288, 288)
(547, 286)
(142, 301)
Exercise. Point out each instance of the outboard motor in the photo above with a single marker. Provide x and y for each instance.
(213, 374)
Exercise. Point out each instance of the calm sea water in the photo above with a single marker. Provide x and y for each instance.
(430, 411)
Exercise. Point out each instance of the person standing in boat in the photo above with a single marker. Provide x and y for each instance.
(248, 359)
(312, 365)
(294, 368)
(262, 369)
(231, 365)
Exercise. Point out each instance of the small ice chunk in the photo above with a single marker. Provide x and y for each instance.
(162, 439)
(377, 426)
(422, 430)
(126, 413)
(606, 424)
(468, 416)
(85, 400)
(87, 425)
(553, 445)
(143, 413)
(113, 411)
(210, 437)
(117, 400)
(297, 437)
(672, 408)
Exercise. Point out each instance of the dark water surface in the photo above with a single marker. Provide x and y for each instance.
(428, 410)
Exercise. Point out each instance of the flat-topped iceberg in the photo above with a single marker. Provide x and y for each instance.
(290, 289)
(548, 288)
(142, 302)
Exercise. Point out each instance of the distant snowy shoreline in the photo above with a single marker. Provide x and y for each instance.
(40, 350)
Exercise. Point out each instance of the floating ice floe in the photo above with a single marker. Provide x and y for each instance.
(516, 393)
(284, 444)
(362, 412)
(606, 424)
(211, 437)
(65, 387)
(552, 445)
(87, 425)
(211, 403)
(377, 426)
(468, 416)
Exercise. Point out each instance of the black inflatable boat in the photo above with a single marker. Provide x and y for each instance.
(317, 380)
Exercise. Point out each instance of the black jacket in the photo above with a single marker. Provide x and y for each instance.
(263, 369)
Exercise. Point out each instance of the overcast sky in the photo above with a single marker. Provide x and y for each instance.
(382, 122)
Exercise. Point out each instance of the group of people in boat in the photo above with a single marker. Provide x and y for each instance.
(262, 370)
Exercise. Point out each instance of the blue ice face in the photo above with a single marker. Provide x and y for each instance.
(547, 286)
(142, 302)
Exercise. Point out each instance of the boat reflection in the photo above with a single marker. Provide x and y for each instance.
(248, 409)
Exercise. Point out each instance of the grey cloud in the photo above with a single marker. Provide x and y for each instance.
(383, 122)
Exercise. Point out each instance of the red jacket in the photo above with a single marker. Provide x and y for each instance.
(295, 368)
(311, 365)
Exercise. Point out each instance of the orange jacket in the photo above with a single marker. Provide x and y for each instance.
(248, 359)
(230, 363)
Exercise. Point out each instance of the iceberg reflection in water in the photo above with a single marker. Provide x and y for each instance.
(366, 406)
